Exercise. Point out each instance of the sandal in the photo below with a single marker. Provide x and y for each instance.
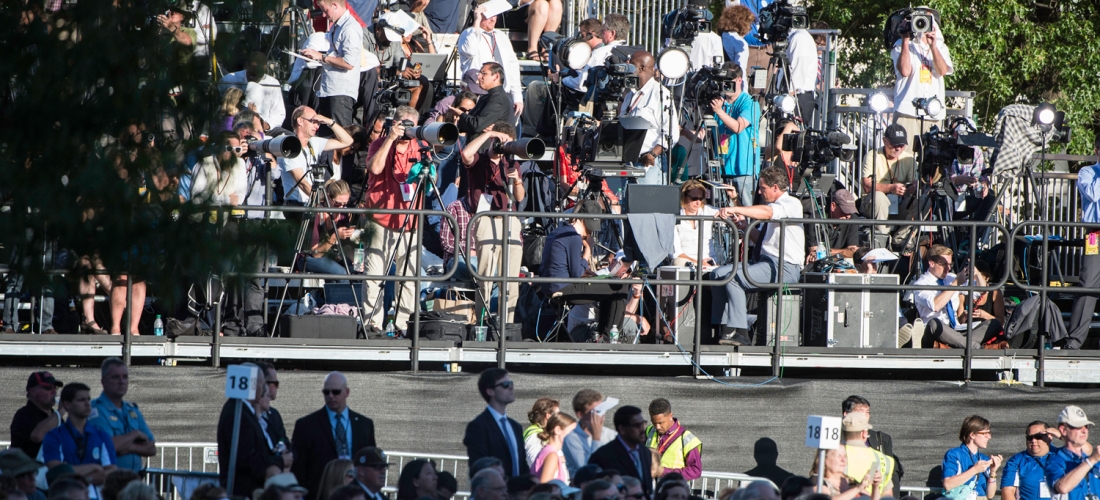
(92, 328)
(534, 55)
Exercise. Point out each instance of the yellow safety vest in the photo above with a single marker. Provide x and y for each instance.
(531, 429)
(674, 457)
(862, 458)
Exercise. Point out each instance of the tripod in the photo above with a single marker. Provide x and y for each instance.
(316, 197)
(292, 20)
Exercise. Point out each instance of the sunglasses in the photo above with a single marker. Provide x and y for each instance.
(612, 497)
(507, 384)
(636, 496)
(1042, 436)
(334, 392)
(696, 198)
(274, 383)
(234, 149)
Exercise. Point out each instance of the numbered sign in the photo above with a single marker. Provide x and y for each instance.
(240, 382)
(823, 432)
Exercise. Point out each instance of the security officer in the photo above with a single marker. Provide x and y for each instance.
(1024, 477)
(679, 450)
(122, 420)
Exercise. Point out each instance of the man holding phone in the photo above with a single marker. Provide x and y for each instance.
(122, 420)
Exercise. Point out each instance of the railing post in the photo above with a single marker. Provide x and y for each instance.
(415, 354)
(778, 299)
(502, 301)
(697, 350)
(968, 354)
(1040, 376)
(127, 338)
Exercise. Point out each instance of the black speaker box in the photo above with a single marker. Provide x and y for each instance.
(325, 326)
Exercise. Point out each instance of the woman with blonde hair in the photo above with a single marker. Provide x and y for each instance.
(231, 102)
(337, 473)
(835, 483)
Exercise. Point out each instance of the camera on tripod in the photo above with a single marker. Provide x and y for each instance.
(814, 148)
(608, 84)
(684, 24)
(283, 146)
(778, 19)
(710, 83)
(938, 149)
(524, 149)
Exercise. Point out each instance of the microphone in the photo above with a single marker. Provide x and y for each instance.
(837, 138)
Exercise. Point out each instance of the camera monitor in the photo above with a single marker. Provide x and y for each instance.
(619, 141)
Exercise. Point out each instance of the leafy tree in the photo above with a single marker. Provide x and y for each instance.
(1003, 50)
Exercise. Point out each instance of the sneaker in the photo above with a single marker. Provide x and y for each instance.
(49, 331)
(918, 333)
(735, 338)
(905, 334)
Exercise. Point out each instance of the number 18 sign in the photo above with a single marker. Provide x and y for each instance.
(240, 382)
(823, 432)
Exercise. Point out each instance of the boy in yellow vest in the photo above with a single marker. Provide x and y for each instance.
(674, 448)
(861, 458)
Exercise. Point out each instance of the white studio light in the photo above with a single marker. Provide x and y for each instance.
(674, 63)
(785, 103)
(932, 106)
(575, 54)
(1046, 116)
(878, 102)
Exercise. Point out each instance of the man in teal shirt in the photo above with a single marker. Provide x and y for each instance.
(738, 115)
(122, 420)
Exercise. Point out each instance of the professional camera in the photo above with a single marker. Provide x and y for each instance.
(813, 148)
(405, 123)
(608, 84)
(909, 23)
(441, 133)
(524, 149)
(393, 96)
(708, 84)
(938, 149)
(283, 146)
(682, 25)
(778, 19)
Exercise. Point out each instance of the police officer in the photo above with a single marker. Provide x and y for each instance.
(1023, 477)
(122, 420)
(679, 450)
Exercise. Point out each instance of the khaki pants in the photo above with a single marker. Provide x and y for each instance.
(380, 243)
(488, 239)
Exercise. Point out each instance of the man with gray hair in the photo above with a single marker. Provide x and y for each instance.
(329, 433)
(122, 420)
(757, 490)
(488, 484)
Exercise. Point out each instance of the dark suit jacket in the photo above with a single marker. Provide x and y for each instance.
(492, 107)
(315, 446)
(613, 455)
(275, 427)
(253, 455)
(484, 439)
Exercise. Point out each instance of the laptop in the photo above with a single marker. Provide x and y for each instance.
(432, 66)
(344, 293)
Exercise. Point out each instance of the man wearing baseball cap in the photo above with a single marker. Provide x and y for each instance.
(843, 239)
(1070, 471)
(371, 466)
(893, 171)
(30, 423)
(861, 458)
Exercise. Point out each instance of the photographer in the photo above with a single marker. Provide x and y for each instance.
(802, 84)
(494, 184)
(920, 63)
(216, 179)
(173, 23)
(481, 44)
(495, 106)
(653, 102)
(297, 185)
(613, 34)
(893, 172)
(943, 311)
(325, 256)
(391, 236)
(340, 66)
(734, 24)
(685, 26)
(739, 115)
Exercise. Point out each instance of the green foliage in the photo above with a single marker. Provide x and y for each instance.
(1003, 50)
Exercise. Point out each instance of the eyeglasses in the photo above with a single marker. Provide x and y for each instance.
(587, 35)
(1075, 428)
(465, 110)
(636, 496)
(339, 204)
(334, 392)
(1042, 436)
(612, 497)
(507, 384)
(896, 146)
(274, 383)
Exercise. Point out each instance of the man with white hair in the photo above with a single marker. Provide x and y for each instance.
(329, 433)
(488, 484)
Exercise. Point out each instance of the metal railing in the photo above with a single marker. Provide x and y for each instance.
(502, 303)
(970, 288)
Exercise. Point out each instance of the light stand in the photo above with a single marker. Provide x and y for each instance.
(878, 103)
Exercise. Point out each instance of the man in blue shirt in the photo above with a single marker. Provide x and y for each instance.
(89, 451)
(1088, 184)
(122, 420)
(1070, 471)
(739, 117)
(1024, 477)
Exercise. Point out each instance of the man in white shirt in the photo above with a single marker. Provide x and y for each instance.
(480, 44)
(206, 30)
(340, 77)
(730, 301)
(260, 89)
(802, 54)
(940, 309)
(920, 66)
(297, 186)
(653, 102)
(613, 33)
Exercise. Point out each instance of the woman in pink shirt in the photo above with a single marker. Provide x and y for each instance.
(550, 462)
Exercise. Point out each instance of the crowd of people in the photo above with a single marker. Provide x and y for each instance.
(356, 102)
(89, 449)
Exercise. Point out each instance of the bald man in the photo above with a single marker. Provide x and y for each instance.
(653, 102)
(329, 433)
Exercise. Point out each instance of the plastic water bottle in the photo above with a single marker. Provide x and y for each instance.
(391, 332)
(822, 251)
(391, 315)
(614, 334)
(158, 327)
(305, 306)
(357, 261)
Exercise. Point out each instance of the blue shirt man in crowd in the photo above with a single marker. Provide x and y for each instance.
(1024, 476)
(1069, 470)
(89, 451)
(1088, 185)
(739, 118)
(122, 420)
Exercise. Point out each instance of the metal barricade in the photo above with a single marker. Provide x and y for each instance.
(457, 465)
(502, 302)
(174, 484)
(711, 483)
(970, 288)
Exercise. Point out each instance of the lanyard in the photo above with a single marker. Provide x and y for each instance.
(79, 440)
(491, 41)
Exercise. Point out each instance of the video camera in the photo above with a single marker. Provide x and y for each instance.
(709, 83)
(684, 24)
(778, 19)
(609, 83)
(909, 23)
(938, 149)
(814, 148)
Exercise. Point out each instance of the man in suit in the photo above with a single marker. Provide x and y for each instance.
(255, 459)
(492, 433)
(371, 467)
(628, 453)
(271, 418)
(876, 440)
(329, 433)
